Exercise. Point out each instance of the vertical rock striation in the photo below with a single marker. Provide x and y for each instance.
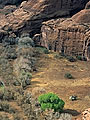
(71, 36)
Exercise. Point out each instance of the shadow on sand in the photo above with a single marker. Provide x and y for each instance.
(35, 82)
(72, 112)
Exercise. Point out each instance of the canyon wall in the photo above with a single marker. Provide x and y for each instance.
(29, 16)
(67, 35)
(70, 36)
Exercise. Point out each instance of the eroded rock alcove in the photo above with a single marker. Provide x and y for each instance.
(69, 36)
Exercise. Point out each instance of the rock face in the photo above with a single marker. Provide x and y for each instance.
(9, 2)
(88, 5)
(85, 115)
(31, 13)
(71, 36)
(67, 36)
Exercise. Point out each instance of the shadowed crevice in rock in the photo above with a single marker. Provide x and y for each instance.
(10, 2)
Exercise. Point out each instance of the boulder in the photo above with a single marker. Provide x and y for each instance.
(86, 114)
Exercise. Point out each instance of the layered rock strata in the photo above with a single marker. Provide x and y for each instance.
(30, 14)
(71, 36)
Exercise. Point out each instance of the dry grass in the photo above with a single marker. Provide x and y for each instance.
(50, 76)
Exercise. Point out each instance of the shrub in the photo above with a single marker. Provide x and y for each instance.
(46, 51)
(79, 57)
(4, 117)
(71, 58)
(25, 51)
(4, 106)
(9, 41)
(58, 56)
(8, 94)
(10, 52)
(68, 76)
(26, 41)
(42, 50)
(84, 59)
(25, 78)
(51, 101)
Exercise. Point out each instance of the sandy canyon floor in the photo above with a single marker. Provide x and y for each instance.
(50, 78)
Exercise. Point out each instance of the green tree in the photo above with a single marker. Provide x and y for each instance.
(51, 101)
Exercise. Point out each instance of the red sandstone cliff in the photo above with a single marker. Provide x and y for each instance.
(71, 36)
(30, 14)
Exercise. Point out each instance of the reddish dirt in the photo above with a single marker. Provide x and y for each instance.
(50, 78)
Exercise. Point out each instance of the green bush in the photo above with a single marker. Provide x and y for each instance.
(68, 76)
(6, 107)
(17, 117)
(51, 101)
(79, 57)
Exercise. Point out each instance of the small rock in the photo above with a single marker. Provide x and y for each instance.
(57, 115)
(73, 97)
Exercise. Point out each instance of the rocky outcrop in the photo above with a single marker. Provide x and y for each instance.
(31, 13)
(28, 18)
(9, 2)
(71, 36)
(88, 5)
(84, 116)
